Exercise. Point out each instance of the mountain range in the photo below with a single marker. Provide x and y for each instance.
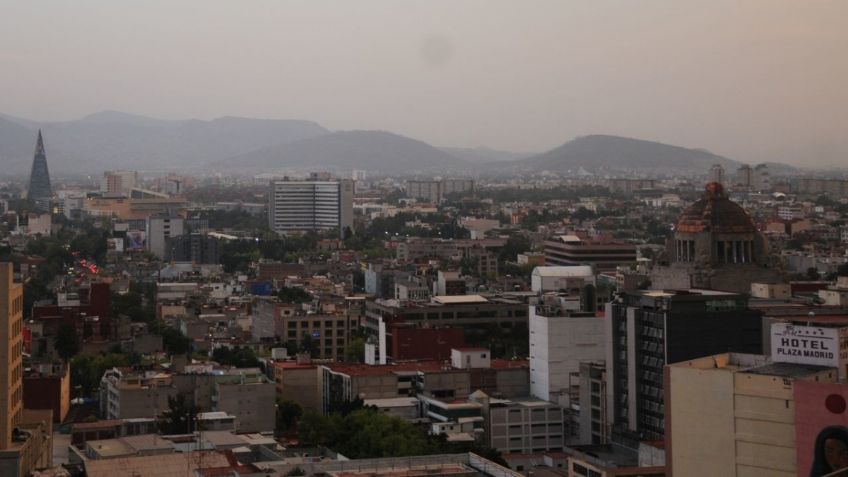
(116, 140)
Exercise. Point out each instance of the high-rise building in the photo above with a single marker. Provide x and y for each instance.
(648, 329)
(118, 183)
(311, 205)
(744, 176)
(837, 188)
(761, 179)
(194, 247)
(160, 228)
(11, 355)
(434, 190)
(717, 173)
(39, 190)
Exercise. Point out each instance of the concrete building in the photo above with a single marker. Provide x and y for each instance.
(521, 425)
(735, 415)
(630, 186)
(551, 279)
(118, 183)
(25, 435)
(434, 191)
(133, 208)
(559, 342)
(602, 256)
(328, 331)
(761, 179)
(717, 173)
(470, 358)
(11, 356)
(129, 395)
(431, 191)
(32, 447)
(298, 382)
(216, 421)
(48, 386)
(303, 206)
(159, 229)
(250, 397)
(836, 188)
(744, 177)
(435, 379)
(648, 329)
(449, 282)
(593, 424)
(771, 291)
(244, 393)
(193, 247)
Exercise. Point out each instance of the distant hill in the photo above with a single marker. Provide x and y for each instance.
(378, 151)
(116, 140)
(601, 153)
(16, 143)
(483, 155)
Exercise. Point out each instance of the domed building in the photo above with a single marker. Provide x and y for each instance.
(715, 246)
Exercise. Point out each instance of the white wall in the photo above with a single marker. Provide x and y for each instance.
(557, 347)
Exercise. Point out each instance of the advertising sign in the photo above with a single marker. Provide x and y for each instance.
(821, 428)
(805, 344)
(115, 245)
(136, 240)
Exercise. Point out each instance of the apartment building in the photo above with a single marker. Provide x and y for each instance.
(313, 205)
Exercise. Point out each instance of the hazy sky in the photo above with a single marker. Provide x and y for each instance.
(753, 80)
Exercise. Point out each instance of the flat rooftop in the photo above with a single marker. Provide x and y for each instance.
(786, 370)
(459, 299)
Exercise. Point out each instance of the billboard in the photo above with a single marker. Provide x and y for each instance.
(136, 240)
(806, 344)
(115, 245)
(821, 428)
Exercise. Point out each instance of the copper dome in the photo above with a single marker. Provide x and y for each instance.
(715, 213)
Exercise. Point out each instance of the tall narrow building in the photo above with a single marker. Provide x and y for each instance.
(11, 348)
(39, 179)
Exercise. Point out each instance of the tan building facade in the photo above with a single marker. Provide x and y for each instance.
(734, 415)
(11, 353)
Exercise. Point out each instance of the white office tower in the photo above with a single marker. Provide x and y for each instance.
(302, 206)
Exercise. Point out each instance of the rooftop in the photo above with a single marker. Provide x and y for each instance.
(564, 271)
(166, 465)
(457, 299)
(787, 370)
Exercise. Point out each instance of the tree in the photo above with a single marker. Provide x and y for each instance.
(174, 341)
(515, 244)
(813, 274)
(67, 342)
(238, 357)
(288, 413)
(86, 371)
(180, 418)
(293, 295)
(355, 351)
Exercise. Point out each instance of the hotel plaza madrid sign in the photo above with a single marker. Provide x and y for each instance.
(810, 345)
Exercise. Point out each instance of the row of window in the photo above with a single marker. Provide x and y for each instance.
(315, 324)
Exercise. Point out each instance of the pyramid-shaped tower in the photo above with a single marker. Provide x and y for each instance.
(39, 179)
